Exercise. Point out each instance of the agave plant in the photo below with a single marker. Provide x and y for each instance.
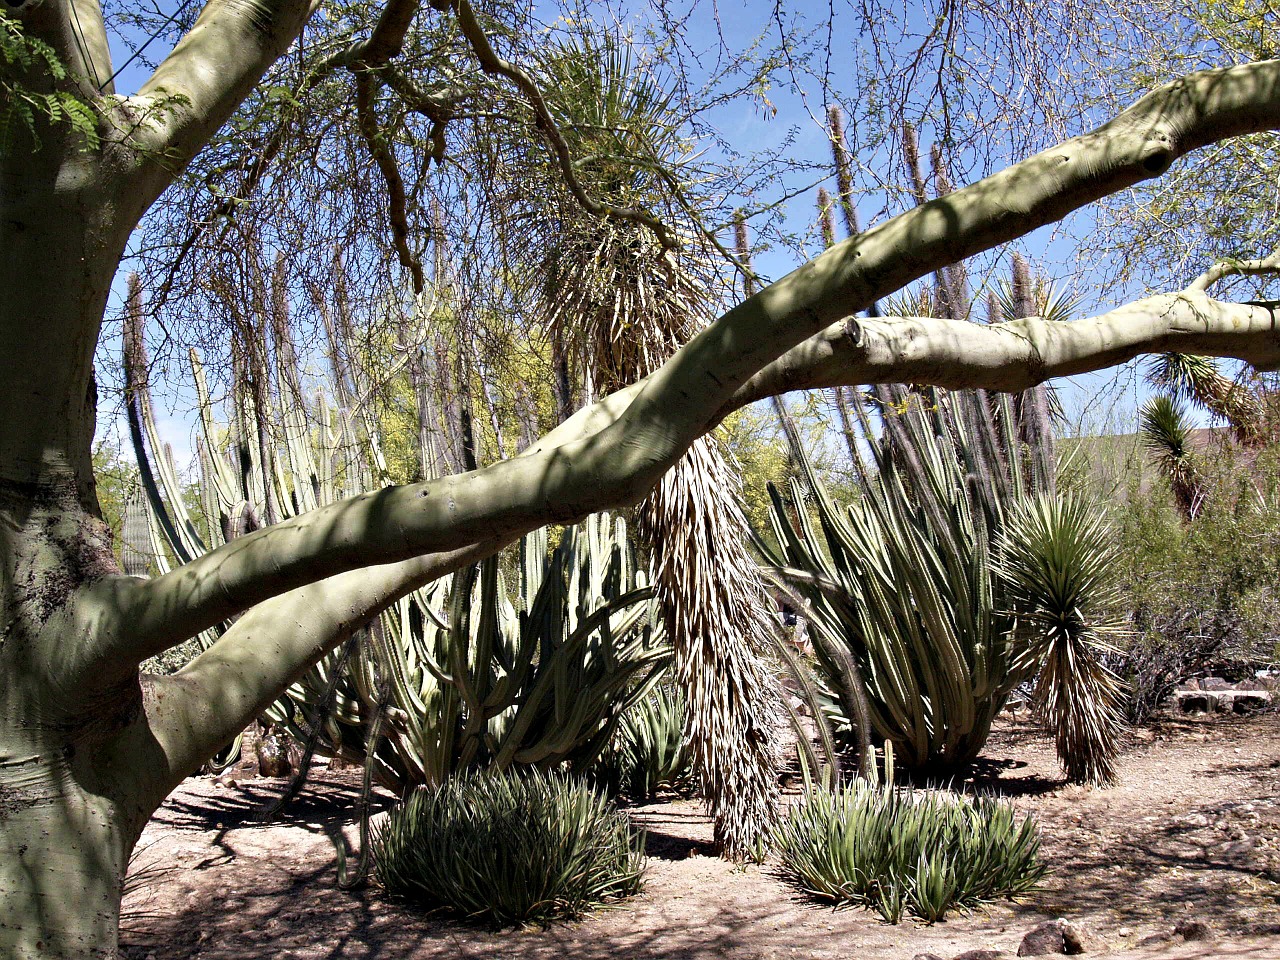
(512, 849)
(904, 598)
(901, 584)
(483, 677)
(648, 752)
(901, 851)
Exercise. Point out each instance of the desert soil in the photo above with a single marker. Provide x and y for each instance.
(1190, 831)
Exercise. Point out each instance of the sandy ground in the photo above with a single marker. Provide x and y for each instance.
(1192, 830)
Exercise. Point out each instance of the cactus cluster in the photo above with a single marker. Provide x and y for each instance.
(922, 626)
(901, 852)
(466, 671)
(509, 848)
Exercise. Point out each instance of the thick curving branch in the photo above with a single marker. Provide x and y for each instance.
(204, 79)
(378, 142)
(384, 43)
(190, 715)
(494, 65)
(1019, 354)
(1237, 268)
(619, 459)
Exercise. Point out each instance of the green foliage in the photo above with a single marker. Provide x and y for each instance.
(1204, 591)
(479, 676)
(903, 600)
(900, 852)
(1058, 558)
(908, 607)
(513, 849)
(115, 479)
(22, 108)
(756, 442)
(648, 752)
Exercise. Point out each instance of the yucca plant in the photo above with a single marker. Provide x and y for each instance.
(900, 852)
(509, 848)
(1058, 560)
(618, 299)
(1198, 380)
(1167, 435)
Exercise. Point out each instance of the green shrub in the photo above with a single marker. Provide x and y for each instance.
(508, 848)
(906, 851)
(1202, 595)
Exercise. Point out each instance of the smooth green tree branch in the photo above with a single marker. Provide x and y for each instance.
(204, 79)
(620, 461)
(193, 713)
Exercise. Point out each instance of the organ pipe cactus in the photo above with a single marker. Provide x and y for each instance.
(464, 671)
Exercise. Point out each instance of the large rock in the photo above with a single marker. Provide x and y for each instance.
(1057, 937)
(1214, 683)
(273, 755)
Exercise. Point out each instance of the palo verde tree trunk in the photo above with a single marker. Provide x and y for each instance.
(69, 813)
(89, 748)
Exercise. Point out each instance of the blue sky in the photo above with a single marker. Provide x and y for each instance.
(782, 111)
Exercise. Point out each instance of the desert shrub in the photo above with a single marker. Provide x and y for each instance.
(648, 752)
(905, 851)
(509, 848)
(1202, 594)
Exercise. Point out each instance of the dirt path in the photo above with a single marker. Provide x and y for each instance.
(1192, 830)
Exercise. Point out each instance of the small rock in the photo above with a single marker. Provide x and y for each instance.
(1125, 932)
(273, 756)
(1156, 939)
(1192, 930)
(1239, 848)
(1078, 940)
(1214, 683)
(926, 956)
(1044, 940)
(984, 955)
(1057, 937)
